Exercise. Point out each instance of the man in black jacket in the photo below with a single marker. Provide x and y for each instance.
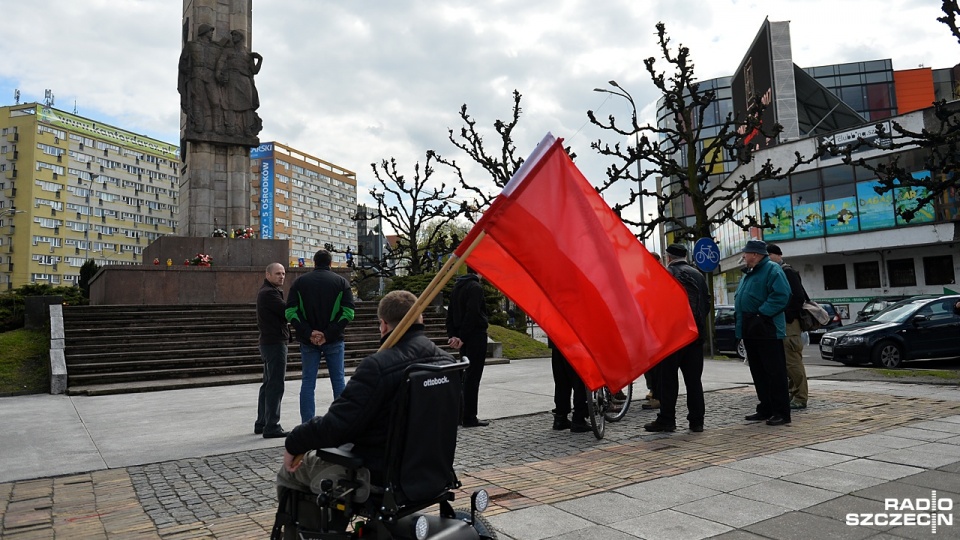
(467, 332)
(361, 415)
(274, 335)
(319, 307)
(689, 359)
(792, 344)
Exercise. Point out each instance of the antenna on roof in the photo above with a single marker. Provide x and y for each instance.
(16, 96)
(47, 99)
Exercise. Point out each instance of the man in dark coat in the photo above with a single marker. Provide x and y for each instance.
(793, 344)
(274, 335)
(361, 415)
(689, 359)
(467, 332)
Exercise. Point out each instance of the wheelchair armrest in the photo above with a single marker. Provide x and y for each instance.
(340, 457)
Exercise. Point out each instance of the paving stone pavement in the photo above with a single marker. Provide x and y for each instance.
(849, 450)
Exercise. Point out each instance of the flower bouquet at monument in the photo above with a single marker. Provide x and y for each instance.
(200, 260)
(220, 233)
(244, 232)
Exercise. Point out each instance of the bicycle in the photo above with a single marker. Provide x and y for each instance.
(603, 405)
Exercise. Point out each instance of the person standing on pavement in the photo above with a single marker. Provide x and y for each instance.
(565, 382)
(689, 359)
(319, 307)
(761, 297)
(467, 332)
(274, 335)
(652, 376)
(792, 344)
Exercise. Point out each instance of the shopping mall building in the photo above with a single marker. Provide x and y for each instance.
(845, 239)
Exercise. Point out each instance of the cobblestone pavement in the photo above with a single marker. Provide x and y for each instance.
(520, 460)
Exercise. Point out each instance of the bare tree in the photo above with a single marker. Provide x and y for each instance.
(414, 210)
(500, 166)
(688, 160)
(938, 140)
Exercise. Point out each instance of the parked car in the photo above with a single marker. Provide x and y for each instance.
(915, 328)
(876, 305)
(725, 332)
(835, 322)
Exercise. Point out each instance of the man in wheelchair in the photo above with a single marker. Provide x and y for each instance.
(399, 411)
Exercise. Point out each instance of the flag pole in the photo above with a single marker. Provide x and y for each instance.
(446, 273)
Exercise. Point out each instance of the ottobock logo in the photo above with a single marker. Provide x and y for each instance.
(436, 381)
(932, 512)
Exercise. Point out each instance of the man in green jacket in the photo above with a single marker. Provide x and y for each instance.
(761, 297)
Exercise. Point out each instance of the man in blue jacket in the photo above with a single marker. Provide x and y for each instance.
(761, 297)
(319, 307)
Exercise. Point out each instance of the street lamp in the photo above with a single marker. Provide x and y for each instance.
(626, 95)
(86, 232)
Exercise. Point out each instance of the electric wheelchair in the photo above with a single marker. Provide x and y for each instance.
(419, 474)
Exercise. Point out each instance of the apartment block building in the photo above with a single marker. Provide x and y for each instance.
(74, 189)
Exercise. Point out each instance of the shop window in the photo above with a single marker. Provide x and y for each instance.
(834, 277)
(938, 270)
(902, 273)
(866, 275)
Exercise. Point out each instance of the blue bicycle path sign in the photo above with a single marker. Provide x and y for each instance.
(706, 254)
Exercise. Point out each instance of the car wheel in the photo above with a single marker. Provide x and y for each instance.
(887, 354)
(741, 349)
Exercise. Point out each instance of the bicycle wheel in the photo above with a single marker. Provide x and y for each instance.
(595, 407)
(618, 403)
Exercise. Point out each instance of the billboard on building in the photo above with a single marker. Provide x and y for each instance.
(754, 79)
(264, 153)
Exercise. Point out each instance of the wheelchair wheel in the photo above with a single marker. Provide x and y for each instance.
(596, 405)
(481, 525)
(618, 403)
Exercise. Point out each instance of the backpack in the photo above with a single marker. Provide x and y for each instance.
(812, 316)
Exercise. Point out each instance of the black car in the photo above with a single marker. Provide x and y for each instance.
(725, 331)
(834, 323)
(876, 305)
(918, 327)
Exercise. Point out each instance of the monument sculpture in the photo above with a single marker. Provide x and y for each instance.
(217, 90)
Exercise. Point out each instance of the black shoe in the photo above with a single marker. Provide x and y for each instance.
(580, 426)
(475, 423)
(279, 434)
(777, 420)
(560, 423)
(657, 426)
(696, 428)
(257, 430)
(756, 417)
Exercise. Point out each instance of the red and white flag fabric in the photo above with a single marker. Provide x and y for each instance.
(553, 246)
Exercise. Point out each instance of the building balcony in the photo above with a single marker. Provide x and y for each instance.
(13, 136)
(12, 155)
(10, 174)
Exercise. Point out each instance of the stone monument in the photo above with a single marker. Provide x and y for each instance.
(219, 123)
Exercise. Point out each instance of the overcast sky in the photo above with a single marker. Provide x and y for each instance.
(354, 82)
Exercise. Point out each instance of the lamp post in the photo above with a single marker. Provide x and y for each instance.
(626, 95)
(86, 232)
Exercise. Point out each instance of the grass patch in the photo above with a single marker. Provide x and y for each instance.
(516, 344)
(24, 362)
(902, 373)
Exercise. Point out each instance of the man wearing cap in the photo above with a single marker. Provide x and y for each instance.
(792, 345)
(761, 297)
(689, 359)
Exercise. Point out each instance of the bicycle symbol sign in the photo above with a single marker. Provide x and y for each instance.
(706, 254)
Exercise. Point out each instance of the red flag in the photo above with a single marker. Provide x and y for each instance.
(554, 247)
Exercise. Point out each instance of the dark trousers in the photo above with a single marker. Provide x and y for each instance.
(652, 376)
(565, 381)
(768, 367)
(475, 349)
(689, 360)
(271, 390)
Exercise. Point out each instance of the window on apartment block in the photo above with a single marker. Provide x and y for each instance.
(902, 273)
(866, 275)
(939, 270)
(834, 277)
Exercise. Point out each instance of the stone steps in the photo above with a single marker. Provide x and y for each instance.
(118, 349)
